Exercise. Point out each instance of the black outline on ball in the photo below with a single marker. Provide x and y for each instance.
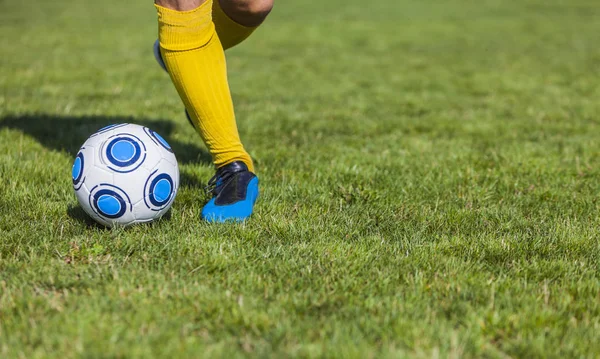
(108, 191)
(108, 128)
(153, 134)
(140, 148)
(79, 180)
(150, 196)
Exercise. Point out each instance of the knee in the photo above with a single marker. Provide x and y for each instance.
(255, 8)
(248, 12)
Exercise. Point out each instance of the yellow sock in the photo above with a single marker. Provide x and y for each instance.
(230, 32)
(195, 61)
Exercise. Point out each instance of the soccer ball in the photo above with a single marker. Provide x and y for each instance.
(125, 174)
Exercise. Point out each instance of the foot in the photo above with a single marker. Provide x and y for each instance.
(235, 191)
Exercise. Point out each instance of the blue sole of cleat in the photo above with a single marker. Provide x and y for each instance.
(237, 212)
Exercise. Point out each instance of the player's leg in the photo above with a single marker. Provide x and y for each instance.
(235, 20)
(195, 60)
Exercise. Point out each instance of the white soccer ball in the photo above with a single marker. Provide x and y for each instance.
(125, 174)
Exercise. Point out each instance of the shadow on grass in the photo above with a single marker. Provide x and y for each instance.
(68, 133)
(77, 213)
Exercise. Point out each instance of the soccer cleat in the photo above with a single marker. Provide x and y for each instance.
(158, 56)
(235, 191)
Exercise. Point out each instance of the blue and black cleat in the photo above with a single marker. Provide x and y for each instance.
(235, 190)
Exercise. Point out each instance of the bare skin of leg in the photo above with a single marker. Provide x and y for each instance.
(249, 13)
(180, 5)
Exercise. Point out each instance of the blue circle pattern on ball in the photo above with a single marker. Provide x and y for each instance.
(123, 151)
(158, 139)
(77, 170)
(108, 128)
(109, 204)
(161, 190)
(162, 141)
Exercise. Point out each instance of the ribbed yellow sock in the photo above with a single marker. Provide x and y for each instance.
(230, 32)
(196, 63)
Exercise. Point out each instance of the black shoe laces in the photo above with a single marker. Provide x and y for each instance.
(221, 179)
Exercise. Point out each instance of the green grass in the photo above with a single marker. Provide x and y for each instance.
(430, 185)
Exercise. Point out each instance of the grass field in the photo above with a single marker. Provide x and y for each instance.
(430, 185)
